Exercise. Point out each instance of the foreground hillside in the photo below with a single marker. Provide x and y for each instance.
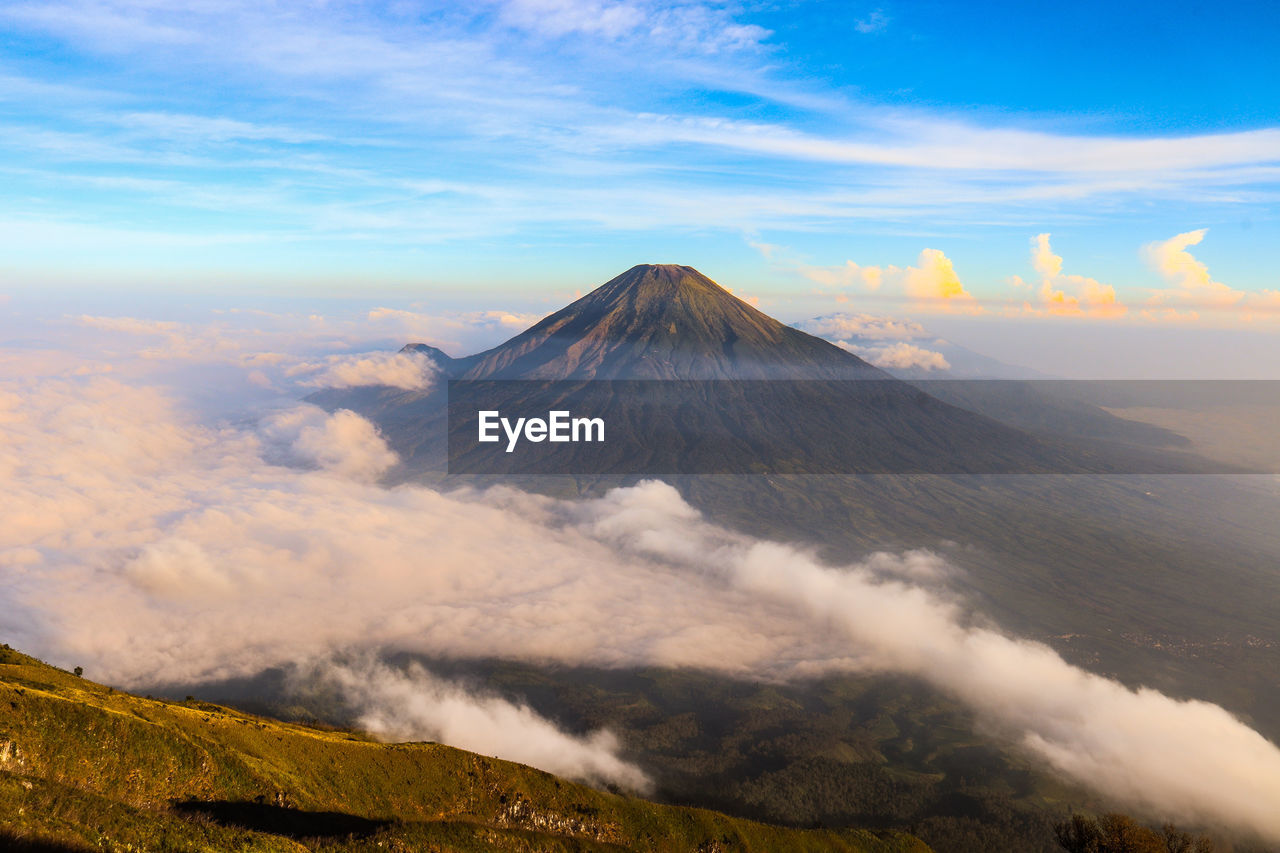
(85, 767)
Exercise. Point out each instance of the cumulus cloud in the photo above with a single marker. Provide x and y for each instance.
(935, 279)
(900, 355)
(1068, 294)
(411, 371)
(884, 341)
(932, 284)
(849, 274)
(1045, 262)
(343, 442)
(843, 327)
(148, 547)
(172, 340)
(317, 557)
(458, 332)
(1194, 289)
(414, 705)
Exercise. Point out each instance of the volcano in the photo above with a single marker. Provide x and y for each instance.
(693, 380)
(663, 321)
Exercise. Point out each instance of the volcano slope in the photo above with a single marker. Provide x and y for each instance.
(84, 767)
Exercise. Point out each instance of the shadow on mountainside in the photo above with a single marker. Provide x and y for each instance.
(14, 843)
(280, 820)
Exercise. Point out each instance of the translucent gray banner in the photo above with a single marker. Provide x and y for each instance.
(646, 427)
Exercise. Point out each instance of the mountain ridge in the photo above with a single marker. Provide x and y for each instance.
(85, 767)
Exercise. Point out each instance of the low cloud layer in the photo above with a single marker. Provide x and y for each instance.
(900, 355)
(884, 341)
(147, 545)
(415, 705)
(1158, 754)
(843, 327)
(406, 370)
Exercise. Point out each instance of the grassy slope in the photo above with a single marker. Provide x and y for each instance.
(85, 767)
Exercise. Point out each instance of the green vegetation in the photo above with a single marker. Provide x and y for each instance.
(879, 751)
(84, 767)
(1117, 833)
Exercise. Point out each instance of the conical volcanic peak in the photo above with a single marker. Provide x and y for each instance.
(664, 321)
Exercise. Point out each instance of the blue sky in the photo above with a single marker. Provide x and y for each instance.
(901, 157)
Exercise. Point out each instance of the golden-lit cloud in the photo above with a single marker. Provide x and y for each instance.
(932, 283)
(1194, 289)
(935, 280)
(899, 355)
(1068, 295)
(1046, 263)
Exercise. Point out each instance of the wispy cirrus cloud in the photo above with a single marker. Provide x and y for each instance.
(693, 26)
(378, 141)
(470, 100)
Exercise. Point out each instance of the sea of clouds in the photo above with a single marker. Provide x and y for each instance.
(151, 541)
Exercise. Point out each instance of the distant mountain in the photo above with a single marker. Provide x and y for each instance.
(1017, 396)
(435, 354)
(84, 767)
(732, 391)
(771, 398)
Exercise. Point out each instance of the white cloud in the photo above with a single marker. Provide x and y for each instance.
(928, 143)
(899, 355)
(174, 340)
(884, 341)
(337, 351)
(848, 326)
(1046, 263)
(210, 128)
(559, 139)
(1068, 294)
(561, 17)
(410, 371)
(1194, 289)
(932, 284)
(876, 22)
(343, 442)
(935, 280)
(1172, 758)
(414, 705)
(692, 26)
